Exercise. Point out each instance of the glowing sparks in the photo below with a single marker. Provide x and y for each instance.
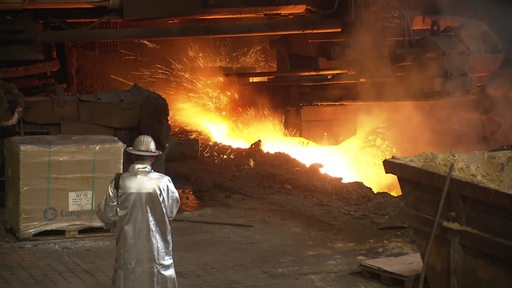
(202, 100)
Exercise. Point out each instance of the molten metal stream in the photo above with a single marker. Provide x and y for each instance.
(201, 99)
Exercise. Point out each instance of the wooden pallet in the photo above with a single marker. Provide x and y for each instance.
(403, 271)
(63, 234)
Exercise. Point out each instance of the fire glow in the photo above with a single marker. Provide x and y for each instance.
(201, 99)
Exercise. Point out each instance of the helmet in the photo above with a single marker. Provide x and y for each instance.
(144, 145)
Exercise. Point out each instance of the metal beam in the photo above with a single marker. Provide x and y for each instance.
(177, 31)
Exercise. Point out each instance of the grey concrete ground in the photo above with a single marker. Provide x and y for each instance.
(237, 242)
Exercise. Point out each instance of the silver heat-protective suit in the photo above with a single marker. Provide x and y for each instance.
(141, 212)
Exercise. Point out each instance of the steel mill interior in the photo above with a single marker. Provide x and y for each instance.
(312, 143)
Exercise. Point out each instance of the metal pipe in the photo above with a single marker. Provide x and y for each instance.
(214, 222)
(288, 73)
(54, 4)
(436, 223)
(181, 31)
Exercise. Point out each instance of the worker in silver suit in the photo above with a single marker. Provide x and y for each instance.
(140, 205)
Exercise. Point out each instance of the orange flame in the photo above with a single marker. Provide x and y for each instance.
(201, 99)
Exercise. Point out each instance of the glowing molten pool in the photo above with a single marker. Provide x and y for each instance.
(201, 99)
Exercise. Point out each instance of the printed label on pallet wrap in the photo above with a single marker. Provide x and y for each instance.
(80, 200)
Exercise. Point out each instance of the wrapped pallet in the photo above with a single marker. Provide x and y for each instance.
(56, 182)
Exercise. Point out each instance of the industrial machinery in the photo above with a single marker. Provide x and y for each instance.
(329, 53)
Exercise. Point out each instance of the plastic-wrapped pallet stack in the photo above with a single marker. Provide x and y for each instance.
(55, 182)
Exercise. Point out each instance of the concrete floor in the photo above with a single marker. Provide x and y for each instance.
(235, 242)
